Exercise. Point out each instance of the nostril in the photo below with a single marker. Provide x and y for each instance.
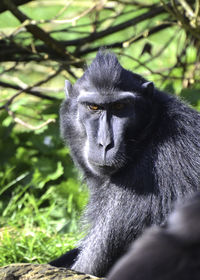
(109, 146)
(106, 146)
(101, 145)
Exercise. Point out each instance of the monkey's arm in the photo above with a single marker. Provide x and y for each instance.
(66, 260)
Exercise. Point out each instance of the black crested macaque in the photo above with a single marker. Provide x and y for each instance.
(138, 149)
(169, 253)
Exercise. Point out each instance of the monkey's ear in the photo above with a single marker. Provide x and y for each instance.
(68, 88)
(148, 88)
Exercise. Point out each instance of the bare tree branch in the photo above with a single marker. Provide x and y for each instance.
(148, 33)
(27, 125)
(3, 8)
(9, 54)
(27, 90)
(36, 31)
(119, 27)
(79, 37)
(9, 102)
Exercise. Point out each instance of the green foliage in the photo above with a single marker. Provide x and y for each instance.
(40, 194)
(33, 245)
(35, 164)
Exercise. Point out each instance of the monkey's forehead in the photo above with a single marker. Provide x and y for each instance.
(104, 96)
(107, 79)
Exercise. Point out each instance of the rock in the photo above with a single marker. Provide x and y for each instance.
(27, 271)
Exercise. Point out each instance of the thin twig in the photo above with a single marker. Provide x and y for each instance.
(3, 8)
(72, 20)
(119, 27)
(21, 122)
(28, 90)
(9, 69)
(36, 31)
(187, 8)
(120, 44)
(159, 51)
(9, 102)
(135, 3)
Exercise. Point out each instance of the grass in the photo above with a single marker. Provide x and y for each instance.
(32, 233)
(37, 230)
(32, 245)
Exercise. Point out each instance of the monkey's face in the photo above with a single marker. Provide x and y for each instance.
(102, 119)
(109, 122)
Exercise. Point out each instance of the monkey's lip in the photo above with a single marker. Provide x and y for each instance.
(100, 164)
(104, 170)
(102, 167)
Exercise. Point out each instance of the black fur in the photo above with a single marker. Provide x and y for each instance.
(160, 162)
(66, 260)
(105, 73)
(168, 253)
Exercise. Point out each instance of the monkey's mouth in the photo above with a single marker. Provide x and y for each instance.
(105, 167)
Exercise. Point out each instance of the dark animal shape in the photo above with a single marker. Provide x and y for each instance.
(138, 149)
(171, 253)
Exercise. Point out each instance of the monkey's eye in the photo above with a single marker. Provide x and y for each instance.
(118, 106)
(94, 107)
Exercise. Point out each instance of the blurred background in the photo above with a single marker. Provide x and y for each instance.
(44, 42)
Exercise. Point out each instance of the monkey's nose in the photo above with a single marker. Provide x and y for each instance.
(106, 144)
